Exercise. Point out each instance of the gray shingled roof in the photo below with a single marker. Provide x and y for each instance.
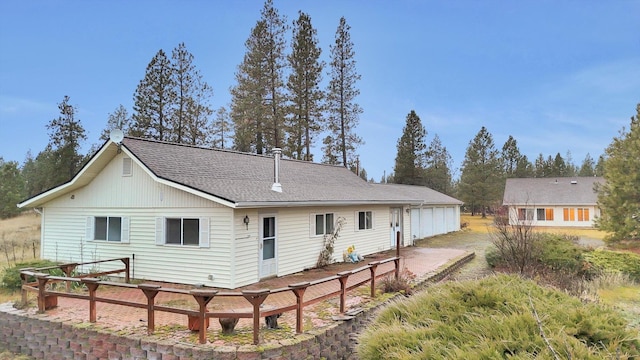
(551, 191)
(246, 179)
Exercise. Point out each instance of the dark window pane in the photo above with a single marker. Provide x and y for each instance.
(173, 231)
(329, 224)
(268, 227)
(115, 226)
(268, 249)
(191, 231)
(361, 220)
(540, 213)
(319, 224)
(100, 228)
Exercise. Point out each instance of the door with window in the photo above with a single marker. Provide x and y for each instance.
(268, 246)
(396, 225)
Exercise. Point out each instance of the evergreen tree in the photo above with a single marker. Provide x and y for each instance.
(570, 168)
(11, 188)
(343, 112)
(588, 166)
(481, 182)
(258, 104)
(221, 129)
(600, 166)
(558, 166)
(118, 119)
(65, 135)
(619, 195)
(540, 167)
(154, 99)
(510, 157)
(304, 88)
(438, 167)
(37, 171)
(191, 111)
(409, 167)
(524, 168)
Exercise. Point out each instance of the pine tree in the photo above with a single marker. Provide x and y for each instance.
(221, 129)
(191, 111)
(540, 166)
(154, 99)
(558, 166)
(258, 105)
(570, 168)
(481, 182)
(438, 167)
(588, 166)
(409, 165)
(11, 188)
(510, 156)
(304, 88)
(118, 119)
(343, 112)
(65, 136)
(524, 168)
(619, 195)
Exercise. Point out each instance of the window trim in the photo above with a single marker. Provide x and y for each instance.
(203, 231)
(327, 228)
(357, 220)
(124, 229)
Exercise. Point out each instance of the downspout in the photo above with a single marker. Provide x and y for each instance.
(41, 213)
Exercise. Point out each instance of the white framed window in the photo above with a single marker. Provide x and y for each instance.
(108, 228)
(364, 220)
(182, 231)
(127, 166)
(322, 224)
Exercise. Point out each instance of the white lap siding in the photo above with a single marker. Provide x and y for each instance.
(141, 200)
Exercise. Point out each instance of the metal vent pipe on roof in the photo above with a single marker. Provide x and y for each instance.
(277, 187)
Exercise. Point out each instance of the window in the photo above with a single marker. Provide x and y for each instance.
(182, 231)
(365, 220)
(323, 224)
(583, 214)
(127, 166)
(525, 214)
(569, 214)
(544, 214)
(108, 228)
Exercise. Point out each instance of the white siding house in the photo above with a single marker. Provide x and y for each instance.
(565, 201)
(201, 216)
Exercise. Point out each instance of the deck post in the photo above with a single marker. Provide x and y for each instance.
(150, 291)
(92, 284)
(372, 268)
(256, 298)
(42, 284)
(203, 297)
(127, 274)
(299, 289)
(343, 278)
(67, 269)
(397, 259)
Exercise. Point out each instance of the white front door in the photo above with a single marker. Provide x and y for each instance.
(268, 246)
(396, 225)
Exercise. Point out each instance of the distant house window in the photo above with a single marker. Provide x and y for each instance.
(182, 231)
(108, 228)
(583, 214)
(525, 214)
(365, 220)
(569, 214)
(323, 224)
(544, 214)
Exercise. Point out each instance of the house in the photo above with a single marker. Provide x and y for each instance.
(565, 201)
(226, 219)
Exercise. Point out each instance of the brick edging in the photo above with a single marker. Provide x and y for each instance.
(44, 339)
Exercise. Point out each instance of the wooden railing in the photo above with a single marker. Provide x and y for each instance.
(202, 296)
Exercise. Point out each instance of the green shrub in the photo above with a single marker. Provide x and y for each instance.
(615, 261)
(494, 318)
(11, 275)
(560, 252)
(493, 257)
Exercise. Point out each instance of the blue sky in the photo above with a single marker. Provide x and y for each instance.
(557, 75)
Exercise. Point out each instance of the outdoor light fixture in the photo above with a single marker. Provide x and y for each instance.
(246, 221)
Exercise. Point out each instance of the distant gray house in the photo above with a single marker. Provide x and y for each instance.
(563, 201)
(222, 218)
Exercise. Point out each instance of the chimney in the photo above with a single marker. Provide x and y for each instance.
(276, 170)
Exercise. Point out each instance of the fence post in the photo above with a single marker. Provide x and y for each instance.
(299, 289)
(372, 268)
(203, 297)
(343, 277)
(92, 284)
(127, 276)
(42, 284)
(150, 291)
(256, 298)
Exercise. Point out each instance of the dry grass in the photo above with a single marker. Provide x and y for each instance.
(19, 240)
